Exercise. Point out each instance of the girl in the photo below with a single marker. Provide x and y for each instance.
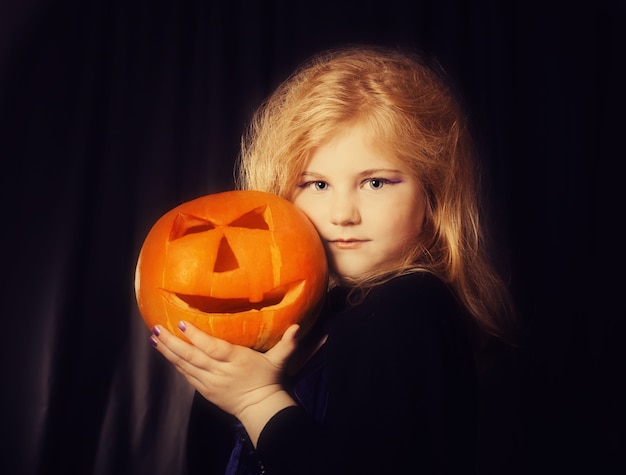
(373, 147)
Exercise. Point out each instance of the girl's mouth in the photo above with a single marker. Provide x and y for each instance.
(347, 243)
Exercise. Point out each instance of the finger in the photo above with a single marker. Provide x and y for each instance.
(174, 349)
(216, 348)
(191, 373)
(184, 356)
(283, 349)
(292, 333)
(185, 359)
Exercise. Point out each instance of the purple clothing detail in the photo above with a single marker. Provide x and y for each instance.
(311, 388)
(243, 459)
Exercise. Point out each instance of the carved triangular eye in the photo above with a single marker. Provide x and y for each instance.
(185, 224)
(254, 219)
(226, 259)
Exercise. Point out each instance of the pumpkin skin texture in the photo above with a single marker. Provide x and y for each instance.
(240, 265)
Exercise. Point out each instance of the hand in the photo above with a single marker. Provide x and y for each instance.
(233, 377)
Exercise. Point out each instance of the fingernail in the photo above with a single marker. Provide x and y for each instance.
(182, 327)
(156, 331)
(153, 341)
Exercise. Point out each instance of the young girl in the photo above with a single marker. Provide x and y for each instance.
(373, 147)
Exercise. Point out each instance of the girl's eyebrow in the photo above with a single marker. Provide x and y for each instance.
(364, 173)
(311, 175)
(377, 171)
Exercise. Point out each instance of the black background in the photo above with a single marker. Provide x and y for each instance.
(111, 113)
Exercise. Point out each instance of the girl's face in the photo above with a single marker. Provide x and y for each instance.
(365, 205)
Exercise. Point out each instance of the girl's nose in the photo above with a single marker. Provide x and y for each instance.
(344, 211)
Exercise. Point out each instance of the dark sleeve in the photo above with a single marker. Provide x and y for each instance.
(402, 391)
(210, 438)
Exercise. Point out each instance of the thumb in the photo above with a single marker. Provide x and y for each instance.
(279, 353)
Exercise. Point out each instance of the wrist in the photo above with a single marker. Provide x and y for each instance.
(255, 416)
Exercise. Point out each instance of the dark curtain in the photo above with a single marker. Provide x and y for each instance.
(113, 112)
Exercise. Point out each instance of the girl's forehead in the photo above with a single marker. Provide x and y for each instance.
(372, 137)
(352, 151)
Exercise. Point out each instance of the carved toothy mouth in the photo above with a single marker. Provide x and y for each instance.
(274, 299)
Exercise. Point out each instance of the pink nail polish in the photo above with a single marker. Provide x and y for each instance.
(153, 341)
(156, 331)
(182, 327)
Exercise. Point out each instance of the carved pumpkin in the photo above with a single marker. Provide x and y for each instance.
(240, 265)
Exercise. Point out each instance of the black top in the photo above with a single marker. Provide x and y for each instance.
(393, 390)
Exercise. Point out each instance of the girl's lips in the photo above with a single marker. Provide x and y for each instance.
(346, 243)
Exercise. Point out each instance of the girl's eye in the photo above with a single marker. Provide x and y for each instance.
(376, 183)
(316, 185)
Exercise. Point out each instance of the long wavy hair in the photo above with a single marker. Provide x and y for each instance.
(414, 116)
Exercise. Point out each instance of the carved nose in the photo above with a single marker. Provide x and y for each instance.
(225, 260)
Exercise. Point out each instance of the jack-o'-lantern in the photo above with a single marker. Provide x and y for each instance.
(240, 265)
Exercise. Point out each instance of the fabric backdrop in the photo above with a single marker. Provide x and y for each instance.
(113, 112)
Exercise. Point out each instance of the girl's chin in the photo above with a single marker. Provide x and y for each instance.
(353, 275)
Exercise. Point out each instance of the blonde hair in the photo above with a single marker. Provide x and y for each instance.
(413, 116)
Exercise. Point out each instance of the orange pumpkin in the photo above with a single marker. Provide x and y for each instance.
(240, 265)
